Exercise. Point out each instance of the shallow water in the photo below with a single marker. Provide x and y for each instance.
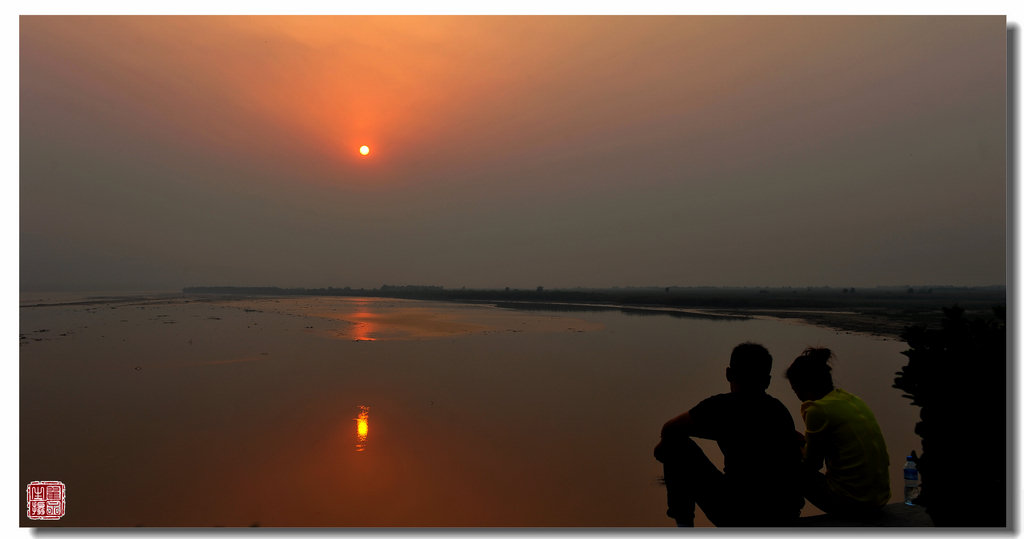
(380, 412)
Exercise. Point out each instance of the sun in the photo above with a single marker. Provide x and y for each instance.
(364, 150)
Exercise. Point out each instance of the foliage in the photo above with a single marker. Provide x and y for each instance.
(957, 374)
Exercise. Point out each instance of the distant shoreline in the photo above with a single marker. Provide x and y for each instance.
(882, 312)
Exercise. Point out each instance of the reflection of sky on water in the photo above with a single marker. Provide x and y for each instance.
(525, 422)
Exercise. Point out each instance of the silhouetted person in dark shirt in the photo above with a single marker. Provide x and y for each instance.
(757, 437)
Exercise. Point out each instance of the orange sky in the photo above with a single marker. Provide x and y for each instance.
(609, 150)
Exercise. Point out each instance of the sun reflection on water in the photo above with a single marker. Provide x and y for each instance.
(363, 331)
(364, 321)
(362, 427)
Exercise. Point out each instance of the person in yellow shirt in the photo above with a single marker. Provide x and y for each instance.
(841, 434)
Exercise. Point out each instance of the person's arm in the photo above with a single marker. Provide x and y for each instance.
(699, 422)
(677, 428)
(816, 421)
(814, 457)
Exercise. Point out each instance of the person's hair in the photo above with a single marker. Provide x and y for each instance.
(750, 363)
(811, 369)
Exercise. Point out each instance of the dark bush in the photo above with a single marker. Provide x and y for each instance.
(957, 374)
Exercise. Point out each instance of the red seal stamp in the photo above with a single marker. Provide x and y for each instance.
(45, 500)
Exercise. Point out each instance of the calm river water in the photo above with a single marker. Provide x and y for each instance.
(378, 412)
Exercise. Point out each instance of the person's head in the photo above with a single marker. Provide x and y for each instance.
(750, 368)
(810, 375)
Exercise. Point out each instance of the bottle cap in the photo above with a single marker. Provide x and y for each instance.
(910, 457)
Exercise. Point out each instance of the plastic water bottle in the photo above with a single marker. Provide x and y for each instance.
(910, 481)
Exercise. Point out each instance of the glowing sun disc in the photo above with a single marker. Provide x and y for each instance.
(364, 150)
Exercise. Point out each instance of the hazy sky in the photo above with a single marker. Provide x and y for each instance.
(161, 152)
